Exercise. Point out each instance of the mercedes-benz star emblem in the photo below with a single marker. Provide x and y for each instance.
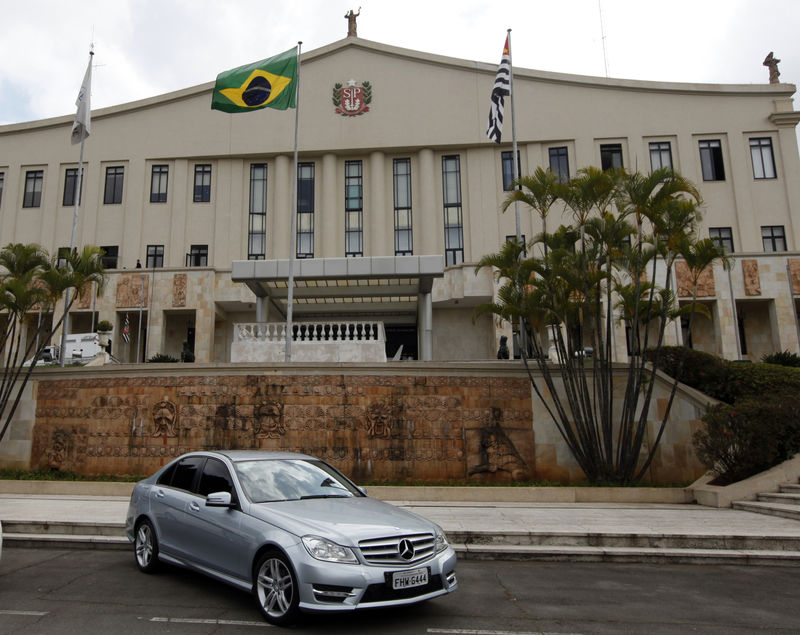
(406, 549)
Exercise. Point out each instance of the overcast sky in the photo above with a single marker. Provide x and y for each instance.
(149, 47)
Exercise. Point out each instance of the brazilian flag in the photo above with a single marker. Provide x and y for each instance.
(269, 83)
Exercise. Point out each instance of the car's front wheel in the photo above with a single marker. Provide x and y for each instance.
(275, 589)
(146, 547)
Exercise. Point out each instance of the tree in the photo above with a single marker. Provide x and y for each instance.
(612, 264)
(32, 280)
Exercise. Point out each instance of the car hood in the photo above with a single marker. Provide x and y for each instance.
(343, 520)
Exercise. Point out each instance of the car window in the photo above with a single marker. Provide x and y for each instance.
(166, 476)
(186, 471)
(292, 479)
(215, 478)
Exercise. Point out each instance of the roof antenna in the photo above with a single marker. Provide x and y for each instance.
(603, 36)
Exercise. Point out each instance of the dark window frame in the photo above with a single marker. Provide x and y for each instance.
(712, 165)
(610, 156)
(159, 183)
(115, 179)
(507, 168)
(155, 257)
(110, 256)
(2, 183)
(353, 209)
(452, 210)
(723, 236)
(773, 238)
(70, 185)
(403, 216)
(558, 156)
(34, 185)
(202, 183)
(661, 150)
(197, 256)
(257, 214)
(761, 147)
(306, 192)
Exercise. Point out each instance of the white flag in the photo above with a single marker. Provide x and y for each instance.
(80, 129)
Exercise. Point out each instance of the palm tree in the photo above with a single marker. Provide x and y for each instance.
(32, 279)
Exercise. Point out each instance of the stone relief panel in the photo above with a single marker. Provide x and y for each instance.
(752, 282)
(132, 290)
(375, 428)
(794, 272)
(179, 290)
(705, 282)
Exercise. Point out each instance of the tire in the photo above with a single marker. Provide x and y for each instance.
(275, 589)
(145, 547)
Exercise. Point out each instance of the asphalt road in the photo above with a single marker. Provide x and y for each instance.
(92, 592)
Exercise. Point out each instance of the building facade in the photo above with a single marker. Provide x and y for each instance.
(394, 165)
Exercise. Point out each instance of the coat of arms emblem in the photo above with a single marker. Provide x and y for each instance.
(352, 99)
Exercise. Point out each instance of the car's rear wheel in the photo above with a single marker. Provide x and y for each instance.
(146, 547)
(275, 589)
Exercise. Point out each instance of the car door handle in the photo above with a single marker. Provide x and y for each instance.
(194, 506)
(160, 493)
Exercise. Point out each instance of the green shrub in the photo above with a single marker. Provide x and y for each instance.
(705, 372)
(784, 358)
(160, 358)
(105, 325)
(749, 437)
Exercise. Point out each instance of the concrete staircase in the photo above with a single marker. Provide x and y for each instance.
(784, 503)
(490, 545)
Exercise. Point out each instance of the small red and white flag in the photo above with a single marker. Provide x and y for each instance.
(502, 87)
(126, 330)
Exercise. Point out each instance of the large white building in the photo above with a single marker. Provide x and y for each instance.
(400, 193)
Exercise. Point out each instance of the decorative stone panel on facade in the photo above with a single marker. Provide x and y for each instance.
(752, 282)
(132, 291)
(705, 282)
(373, 427)
(794, 271)
(179, 290)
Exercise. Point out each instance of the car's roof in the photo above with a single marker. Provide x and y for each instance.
(257, 455)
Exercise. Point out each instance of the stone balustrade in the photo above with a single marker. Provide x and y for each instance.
(335, 341)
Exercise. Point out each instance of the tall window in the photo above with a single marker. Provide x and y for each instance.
(110, 256)
(305, 210)
(202, 183)
(559, 162)
(453, 225)
(403, 239)
(507, 160)
(257, 228)
(70, 187)
(155, 256)
(711, 160)
(660, 155)
(197, 256)
(610, 156)
(353, 209)
(113, 189)
(2, 180)
(62, 256)
(158, 184)
(33, 188)
(723, 236)
(773, 238)
(763, 159)
(522, 240)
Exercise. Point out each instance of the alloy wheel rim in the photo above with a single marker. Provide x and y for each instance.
(144, 545)
(275, 587)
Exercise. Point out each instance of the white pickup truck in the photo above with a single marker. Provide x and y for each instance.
(79, 347)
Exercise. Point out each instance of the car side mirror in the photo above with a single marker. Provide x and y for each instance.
(219, 499)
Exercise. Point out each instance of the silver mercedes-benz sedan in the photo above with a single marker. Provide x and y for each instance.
(290, 529)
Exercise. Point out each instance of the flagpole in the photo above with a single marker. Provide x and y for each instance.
(513, 133)
(77, 196)
(293, 211)
(139, 332)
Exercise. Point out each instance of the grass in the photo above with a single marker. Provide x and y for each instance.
(56, 475)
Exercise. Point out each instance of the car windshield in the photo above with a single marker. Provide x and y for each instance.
(292, 479)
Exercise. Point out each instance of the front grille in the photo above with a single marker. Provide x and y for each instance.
(385, 593)
(388, 550)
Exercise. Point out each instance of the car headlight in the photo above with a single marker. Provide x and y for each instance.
(440, 541)
(323, 549)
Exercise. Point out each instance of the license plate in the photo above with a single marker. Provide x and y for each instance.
(409, 579)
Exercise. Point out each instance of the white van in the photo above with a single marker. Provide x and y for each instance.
(78, 347)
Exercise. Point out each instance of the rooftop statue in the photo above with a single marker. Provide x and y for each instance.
(351, 22)
(772, 62)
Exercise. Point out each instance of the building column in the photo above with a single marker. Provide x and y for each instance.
(377, 213)
(426, 215)
(327, 214)
(262, 309)
(281, 185)
(425, 326)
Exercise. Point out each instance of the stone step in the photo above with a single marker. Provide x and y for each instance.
(63, 528)
(786, 498)
(773, 509)
(625, 540)
(790, 488)
(64, 541)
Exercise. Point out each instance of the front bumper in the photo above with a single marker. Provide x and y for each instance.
(328, 586)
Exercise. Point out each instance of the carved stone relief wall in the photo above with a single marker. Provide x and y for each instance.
(132, 290)
(375, 428)
(705, 282)
(179, 290)
(752, 283)
(794, 271)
